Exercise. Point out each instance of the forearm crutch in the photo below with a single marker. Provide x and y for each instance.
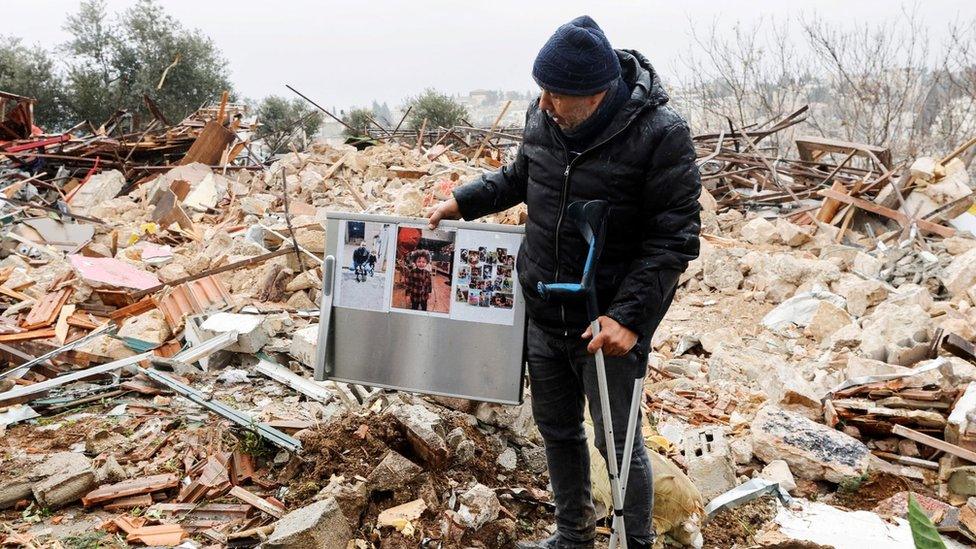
(590, 218)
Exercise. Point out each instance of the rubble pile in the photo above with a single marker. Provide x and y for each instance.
(159, 327)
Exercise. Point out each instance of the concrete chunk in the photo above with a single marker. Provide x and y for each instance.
(62, 478)
(479, 506)
(760, 231)
(304, 343)
(812, 450)
(252, 331)
(392, 472)
(779, 471)
(320, 525)
(709, 460)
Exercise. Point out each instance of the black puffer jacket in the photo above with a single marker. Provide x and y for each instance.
(643, 163)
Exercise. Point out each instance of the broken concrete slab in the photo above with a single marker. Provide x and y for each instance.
(99, 188)
(304, 343)
(812, 450)
(316, 526)
(252, 330)
(896, 334)
(759, 231)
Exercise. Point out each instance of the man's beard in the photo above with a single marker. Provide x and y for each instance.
(572, 120)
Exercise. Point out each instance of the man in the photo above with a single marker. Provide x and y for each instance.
(359, 258)
(601, 129)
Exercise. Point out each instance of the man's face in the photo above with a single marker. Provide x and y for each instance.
(421, 262)
(569, 111)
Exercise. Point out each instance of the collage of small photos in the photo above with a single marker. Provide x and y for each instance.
(463, 274)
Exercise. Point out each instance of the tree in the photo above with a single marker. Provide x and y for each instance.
(439, 110)
(285, 122)
(30, 72)
(113, 62)
(359, 119)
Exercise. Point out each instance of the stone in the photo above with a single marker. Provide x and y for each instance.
(508, 459)
(960, 275)
(478, 506)
(860, 294)
(392, 472)
(759, 231)
(720, 269)
(61, 479)
(786, 388)
(709, 461)
(779, 471)
(741, 449)
(312, 239)
(534, 458)
(962, 480)
(712, 339)
(150, 327)
(304, 343)
(866, 264)
(827, 319)
(517, 420)
(911, 294)
(848, 337)
(896, 334)
(300, 301)
(791, 234)
(957, 245)
(99, 188)
(812, 450)
(304, 280)
(352, 498)
(729, 362)
(424, 431)
(103, 440)
(320, 525)
(110, 472)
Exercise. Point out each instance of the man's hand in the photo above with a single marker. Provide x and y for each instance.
(614, 338)
(445, 210)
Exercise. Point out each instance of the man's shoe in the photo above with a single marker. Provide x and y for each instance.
(633, 544)
(554, 541)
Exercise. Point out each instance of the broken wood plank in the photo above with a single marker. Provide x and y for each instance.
(31, 334)
(902, 219)
(257, 502)
(135, 309)
(927, 440)
(46, 310)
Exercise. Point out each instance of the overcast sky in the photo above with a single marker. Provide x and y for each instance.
(349, 52)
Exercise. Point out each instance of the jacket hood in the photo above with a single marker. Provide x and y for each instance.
(640, 76)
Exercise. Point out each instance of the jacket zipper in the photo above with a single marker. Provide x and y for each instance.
(565, 194)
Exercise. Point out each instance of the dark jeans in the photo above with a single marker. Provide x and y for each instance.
(562, 372)
(418, 305)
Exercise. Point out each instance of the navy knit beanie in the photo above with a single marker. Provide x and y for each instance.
(577, 60)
